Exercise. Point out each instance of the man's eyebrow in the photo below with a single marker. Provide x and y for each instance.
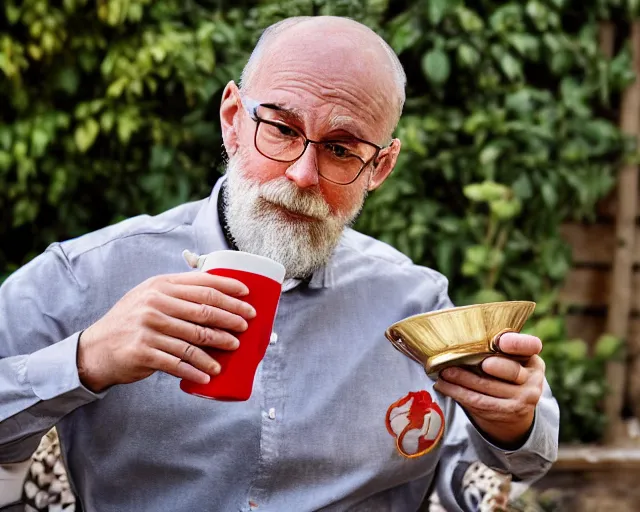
(291, 113)
(346, 124)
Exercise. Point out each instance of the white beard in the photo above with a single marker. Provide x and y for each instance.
(258, 222)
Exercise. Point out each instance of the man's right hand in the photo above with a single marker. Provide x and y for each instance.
(162, 324)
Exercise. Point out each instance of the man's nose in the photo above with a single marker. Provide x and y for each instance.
(304, 171)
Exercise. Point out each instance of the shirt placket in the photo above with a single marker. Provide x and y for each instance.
(271, 382)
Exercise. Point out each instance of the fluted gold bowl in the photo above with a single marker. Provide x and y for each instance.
(462, 336)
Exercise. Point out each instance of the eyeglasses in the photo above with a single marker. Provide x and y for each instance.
(340, 161)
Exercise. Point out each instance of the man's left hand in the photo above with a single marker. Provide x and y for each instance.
(502, 403)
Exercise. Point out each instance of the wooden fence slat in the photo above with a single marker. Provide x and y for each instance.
(590, 327)
(590, 287)
(586, 287)
(607, 207)
(620, 296)
(585, 327)
(593, 243)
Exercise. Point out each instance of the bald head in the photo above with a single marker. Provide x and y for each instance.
(341, 48)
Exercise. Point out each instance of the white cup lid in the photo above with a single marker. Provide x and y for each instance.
(239, 260)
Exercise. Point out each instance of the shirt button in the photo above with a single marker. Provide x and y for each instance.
(274, 338)
(272, 414)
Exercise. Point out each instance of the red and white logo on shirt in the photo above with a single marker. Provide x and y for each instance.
(416, 422)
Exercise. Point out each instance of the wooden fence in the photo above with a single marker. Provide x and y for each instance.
(604, 281)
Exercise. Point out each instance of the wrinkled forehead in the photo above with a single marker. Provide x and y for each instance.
(329, 81)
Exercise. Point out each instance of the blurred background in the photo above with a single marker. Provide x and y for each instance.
(518, 176)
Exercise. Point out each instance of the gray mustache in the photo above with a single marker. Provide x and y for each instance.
(282, 194)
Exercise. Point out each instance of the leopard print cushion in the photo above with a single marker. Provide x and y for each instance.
(46, 487)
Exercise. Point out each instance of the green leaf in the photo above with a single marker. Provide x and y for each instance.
(107, 120)
(405, 35)
(24, 211)
(6, 137)
(161, 158)
(608, 347)
(575, 349)
(511, 66)
(436, 67)
(85, 134)
(489, 154)
(549, 329)
(20, 150)
(116, 89)
(486, 191)
(477, 255)
(549, 194)
(39, 141)
(12, 13)
(486, 296)
(505, 209)
(469, 20)
(526, 44)
(468, 55)
(437, 9)
(522, 187)
(67, 80)
(126, 128)
(58, 185)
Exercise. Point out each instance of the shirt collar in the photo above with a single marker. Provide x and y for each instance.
(210, 238)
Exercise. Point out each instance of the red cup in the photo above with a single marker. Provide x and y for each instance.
(264, 278)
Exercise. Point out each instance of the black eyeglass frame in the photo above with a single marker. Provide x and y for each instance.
(252, 106)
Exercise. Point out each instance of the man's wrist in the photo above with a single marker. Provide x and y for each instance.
(506, 436)
(89, 378)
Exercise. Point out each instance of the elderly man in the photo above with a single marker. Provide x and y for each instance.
(94, 331)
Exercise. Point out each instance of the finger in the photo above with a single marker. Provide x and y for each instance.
(202, 314)
(173, 365)
(471, 399)
(474, 382)
(516, 344)
(226, 285)
(536, 363)
(190, 354)
(197, 334)
(213, 297)
(506, 369)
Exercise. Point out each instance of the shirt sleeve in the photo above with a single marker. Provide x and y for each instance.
(464, 445)
(42, 308)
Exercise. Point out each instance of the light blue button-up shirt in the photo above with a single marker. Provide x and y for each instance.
(311, 437)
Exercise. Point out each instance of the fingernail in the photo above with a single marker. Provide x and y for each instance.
(234, 344)
(252, 312)
(204, 379)
(244, 291)
(215, 370)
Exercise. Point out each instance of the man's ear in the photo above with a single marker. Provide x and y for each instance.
(384, 164)
(229, 109)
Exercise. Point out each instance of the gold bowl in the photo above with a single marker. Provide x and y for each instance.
(462, 336)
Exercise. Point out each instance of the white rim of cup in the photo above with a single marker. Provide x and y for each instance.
(239, 260)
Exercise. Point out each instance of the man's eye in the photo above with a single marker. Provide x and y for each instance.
(285, 130)
(338, 151)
